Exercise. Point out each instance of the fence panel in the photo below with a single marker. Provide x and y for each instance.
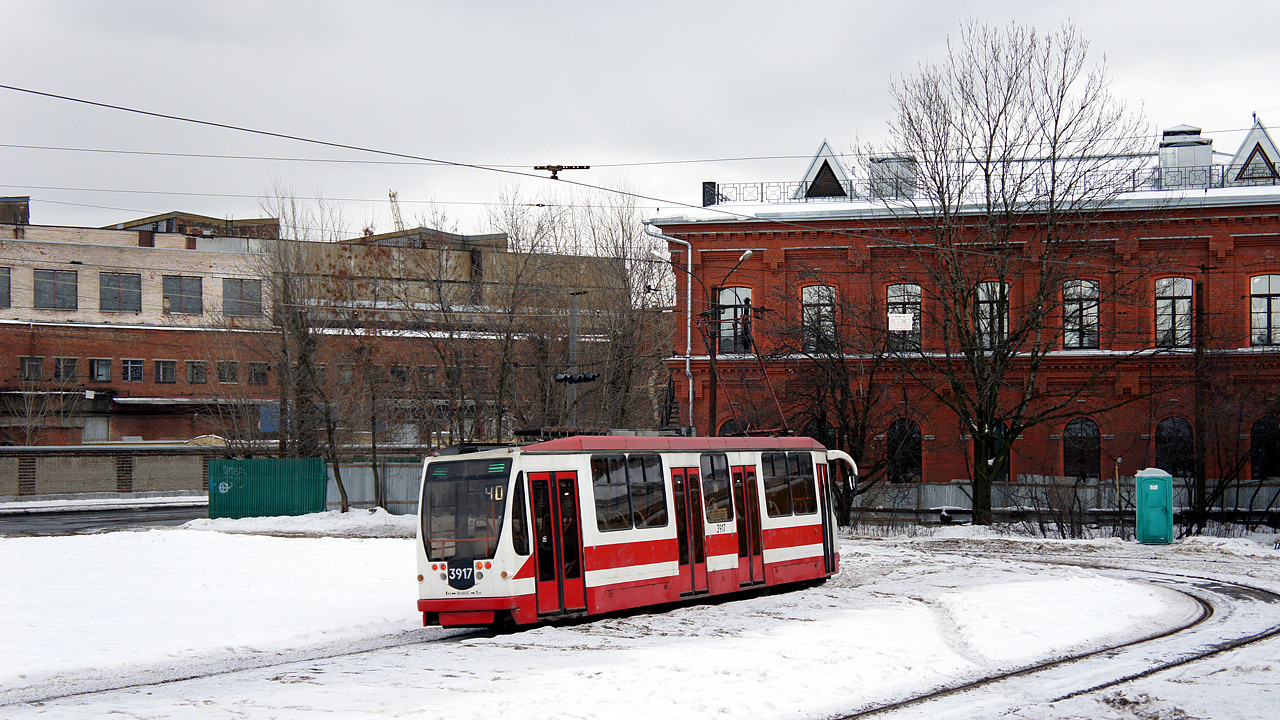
(400, 484)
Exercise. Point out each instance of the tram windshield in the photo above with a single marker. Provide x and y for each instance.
(462, 506)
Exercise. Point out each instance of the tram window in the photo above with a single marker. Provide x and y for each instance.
(803, 491)
(777, 485)
(519, 520)
(716, 491)
(613, 501)
(648, 491)
(463, 505)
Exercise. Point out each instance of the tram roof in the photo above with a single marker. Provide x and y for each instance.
(642, 443)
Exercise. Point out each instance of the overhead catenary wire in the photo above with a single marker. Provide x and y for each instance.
(727, 213)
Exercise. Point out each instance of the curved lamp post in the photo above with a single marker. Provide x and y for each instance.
(712, 352)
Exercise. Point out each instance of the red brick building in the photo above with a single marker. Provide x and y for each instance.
(1160, 347)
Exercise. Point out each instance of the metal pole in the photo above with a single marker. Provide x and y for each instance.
(571, 392)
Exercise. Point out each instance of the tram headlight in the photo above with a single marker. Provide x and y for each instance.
(443, 578)
(479, 576)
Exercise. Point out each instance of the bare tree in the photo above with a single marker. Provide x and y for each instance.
(1018, 146)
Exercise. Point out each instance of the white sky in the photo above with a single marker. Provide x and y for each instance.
(522, 84)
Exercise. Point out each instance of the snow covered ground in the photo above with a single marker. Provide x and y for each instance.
(263, 614)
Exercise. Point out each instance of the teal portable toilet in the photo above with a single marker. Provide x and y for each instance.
(1153, 500)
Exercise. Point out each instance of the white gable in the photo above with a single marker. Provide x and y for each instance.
(1256, 159)
(824, 157)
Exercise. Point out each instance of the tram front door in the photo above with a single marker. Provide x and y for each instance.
(561, 587)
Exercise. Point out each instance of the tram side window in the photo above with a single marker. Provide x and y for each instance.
(803, 489)
(629, 490)
(777, 485)
(613, 501)
(716, 490)
(648, 491)
(519, 520)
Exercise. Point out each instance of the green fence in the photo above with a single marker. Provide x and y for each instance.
(266, 487)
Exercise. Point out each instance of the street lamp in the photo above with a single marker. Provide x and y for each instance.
(712, 353)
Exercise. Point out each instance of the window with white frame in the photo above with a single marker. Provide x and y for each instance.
(31, 369)
(1173, 312)
(131, 370)
(5, 300)
(1264, 310)
(64, 369)
(904, 316)
(818, 316)
(100, 369)
(1080, 314)
(991, 316)
(734, 315)
(166, 371)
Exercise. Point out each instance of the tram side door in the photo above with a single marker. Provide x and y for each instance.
(561, 586)
(827, 496)
(750, 547)
(690, 532)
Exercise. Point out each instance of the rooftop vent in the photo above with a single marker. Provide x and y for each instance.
(1186, 158)
(893, 176)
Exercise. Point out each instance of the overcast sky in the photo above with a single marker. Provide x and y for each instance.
(518, 84)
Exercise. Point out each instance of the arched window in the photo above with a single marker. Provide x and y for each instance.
(905, 451)
(822, 431)
(818, 317)
(991, 315)
(903, 302)
(735, 320)
(1080, 314)
(731, 428)
(993, 447)
(1264, 309)
(1173, 312)
(1082, 450)
(1175, 447)
(1264, 448)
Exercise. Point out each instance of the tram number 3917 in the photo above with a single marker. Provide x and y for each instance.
(460, 573)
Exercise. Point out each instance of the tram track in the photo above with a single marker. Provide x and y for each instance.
(166, 675)
(1221, 626)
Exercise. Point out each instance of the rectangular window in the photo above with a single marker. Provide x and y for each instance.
(991, 316)
(55, 290)
(119, 292)
(609, 483)
(804, 496)
(182, 294)
(31, 368)
(1173, 312)
(197, 372)
(5, 300)
(777, 484)
(228, 371)
(64, 369)
(100, 370)
(346, 374)
(818, 317)
(904, 317)
(630, 491)
(131, 370)
(242, 298)
(1264, 310)
(1080, 314)
(400, 374)
(166, 371)
(716, 493)
(258, 373)
(734, 314)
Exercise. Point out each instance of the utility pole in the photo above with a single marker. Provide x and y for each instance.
(571, 392)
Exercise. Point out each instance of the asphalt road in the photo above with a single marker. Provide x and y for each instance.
(87, 521)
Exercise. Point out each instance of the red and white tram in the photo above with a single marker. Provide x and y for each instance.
(590, 524)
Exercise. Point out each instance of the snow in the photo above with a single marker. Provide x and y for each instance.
(277, 606)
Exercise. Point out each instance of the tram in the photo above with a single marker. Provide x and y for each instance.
(584, 525)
